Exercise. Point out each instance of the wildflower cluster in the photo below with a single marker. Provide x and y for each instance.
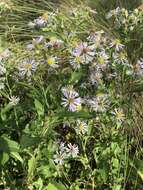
(65, 152)
(64, 96)
(124, 18)
(42, 21)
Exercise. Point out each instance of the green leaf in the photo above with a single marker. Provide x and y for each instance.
(31, 167)
(39, 107)
(16, 156)
(28, 141)
(115, 162)
(4, 157)
(76, 76)
(8, 148)
(74, 187)
(117, 187)
(140, 174)
(60, 186)
(4, 111)
(7, 145)
(80, 114)
(38, 184)
(103, 174)
(46, 171)
(137, 88)
(52, 187)
(138, 165)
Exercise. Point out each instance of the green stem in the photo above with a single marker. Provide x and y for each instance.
(10, 92)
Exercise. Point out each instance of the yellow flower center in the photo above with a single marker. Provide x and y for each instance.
(70, 100)
(101, 60)
(102, 103)
(117, 42)
(120, 115)
(51, 61)
(45, 16)
(78, 59)
(79, 107)
(122, 55)
(28, 66)
(81, 127)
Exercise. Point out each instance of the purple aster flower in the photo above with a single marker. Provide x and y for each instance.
(71, 99)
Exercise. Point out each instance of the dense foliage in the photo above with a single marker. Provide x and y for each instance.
(70, 81)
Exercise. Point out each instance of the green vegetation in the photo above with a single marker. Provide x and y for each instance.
(71, 82)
